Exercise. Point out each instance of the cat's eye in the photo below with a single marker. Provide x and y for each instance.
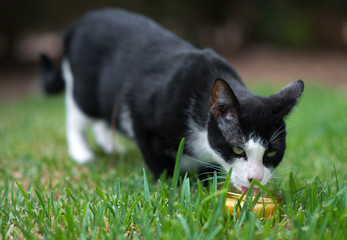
(271, 154)
(238, 151)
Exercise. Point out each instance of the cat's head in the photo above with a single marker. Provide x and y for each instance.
(248, 131)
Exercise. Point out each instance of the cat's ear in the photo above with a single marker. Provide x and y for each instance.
(223, 101)
(283, 101)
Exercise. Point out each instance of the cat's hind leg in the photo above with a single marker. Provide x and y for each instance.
(107, 139)
(76, 122)
(103, 136)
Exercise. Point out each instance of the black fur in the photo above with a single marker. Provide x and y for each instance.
(122, 59)
(52, 80)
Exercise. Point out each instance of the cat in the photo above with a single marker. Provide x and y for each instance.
(123, 67)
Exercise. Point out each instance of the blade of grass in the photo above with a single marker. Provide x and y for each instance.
(85, 222)
(214, 181)
(100, 193)
(127, 217)
(266, 191)
(176, 172)
(146, 189)
(185, 226)
(41, 202)
(22, 190)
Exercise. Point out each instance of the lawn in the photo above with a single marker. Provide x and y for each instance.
(43, 194)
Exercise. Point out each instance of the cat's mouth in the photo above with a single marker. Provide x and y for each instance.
(245, 189)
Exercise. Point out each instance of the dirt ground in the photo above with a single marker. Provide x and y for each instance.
(254, 64)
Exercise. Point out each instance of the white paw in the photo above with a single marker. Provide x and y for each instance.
(103, 136)
(120, 149)
(107, 147)
(82, 156)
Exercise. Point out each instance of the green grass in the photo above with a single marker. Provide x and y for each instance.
(43, 194)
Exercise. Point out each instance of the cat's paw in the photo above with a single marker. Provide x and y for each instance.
(107, 147)
(82, 157)
(120, 149)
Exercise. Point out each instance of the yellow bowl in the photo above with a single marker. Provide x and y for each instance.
(265, 207)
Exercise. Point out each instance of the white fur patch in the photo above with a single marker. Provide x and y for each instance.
(76, 121)
(103, 136)
(243, 170)
(197, 143)
(126, 123)
(106, 139)
(252, 168)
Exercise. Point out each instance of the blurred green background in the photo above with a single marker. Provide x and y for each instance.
(277, 41)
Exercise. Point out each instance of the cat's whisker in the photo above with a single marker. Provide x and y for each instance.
(273, 180)
(283, 171)
(270, 182)
(275, 174)
(218, 169)
(289, 167)
(238, 178)
(274, 135)
(286, 128)
(219, 183)
(277, 135)
(208, 165)
(292, 167)
(277, 177)
(273, 185)
(278, 171)
(237, 126)
(212, 170)
(211, 173)
(211, 178)
(217, 174)
(278, 140)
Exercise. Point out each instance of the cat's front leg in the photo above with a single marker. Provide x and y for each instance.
(155, 154)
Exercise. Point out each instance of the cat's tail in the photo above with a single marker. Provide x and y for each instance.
(52, 80)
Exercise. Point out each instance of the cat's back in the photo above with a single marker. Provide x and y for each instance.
(112, 18)
(114, 28)
(109, 49)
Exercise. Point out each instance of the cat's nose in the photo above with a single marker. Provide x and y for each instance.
(255, 172)
(257, 179)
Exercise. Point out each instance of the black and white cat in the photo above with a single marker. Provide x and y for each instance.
(164, 89)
